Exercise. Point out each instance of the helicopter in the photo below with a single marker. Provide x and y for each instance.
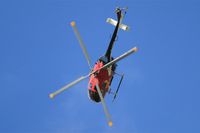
(102, 74)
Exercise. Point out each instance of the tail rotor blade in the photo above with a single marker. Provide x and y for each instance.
(52, 95)
(108, 116)
(73, 24)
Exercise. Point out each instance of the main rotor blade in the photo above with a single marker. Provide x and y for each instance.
(52, 95)
(104, 106)
(117, 59)
(73, 24)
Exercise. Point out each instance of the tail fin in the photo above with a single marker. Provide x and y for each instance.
(114, 22)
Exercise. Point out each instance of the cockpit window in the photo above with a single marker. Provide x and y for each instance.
(90, 85)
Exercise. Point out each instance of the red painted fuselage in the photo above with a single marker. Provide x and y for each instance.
(103, 78)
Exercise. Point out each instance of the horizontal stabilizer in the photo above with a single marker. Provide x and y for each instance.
(114, 22)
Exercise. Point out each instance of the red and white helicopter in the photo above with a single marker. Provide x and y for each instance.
(101, 75)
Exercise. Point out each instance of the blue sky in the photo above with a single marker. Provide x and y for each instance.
(39, 54)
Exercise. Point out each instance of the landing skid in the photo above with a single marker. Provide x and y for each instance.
(115, 93)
